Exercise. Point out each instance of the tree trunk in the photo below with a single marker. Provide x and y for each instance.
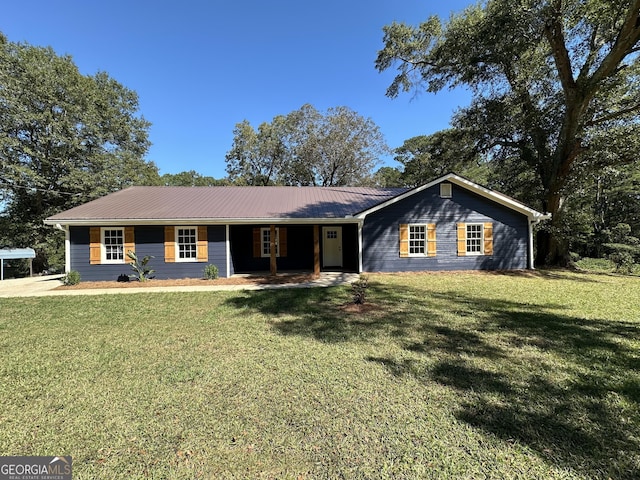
(552, 249)
(552, 245)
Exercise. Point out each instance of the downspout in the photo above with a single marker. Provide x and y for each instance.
(534, 221)
(67, 247)
(531, 224)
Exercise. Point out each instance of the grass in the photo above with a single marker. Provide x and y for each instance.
(445, 376)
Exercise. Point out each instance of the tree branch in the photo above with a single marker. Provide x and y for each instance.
(553, 31)
(591, 57)
(625, 42)
(613, 115)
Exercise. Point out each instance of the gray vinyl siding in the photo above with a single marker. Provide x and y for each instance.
(381, 233)
(149, 240)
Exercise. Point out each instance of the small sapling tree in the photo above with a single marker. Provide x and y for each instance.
(140, 267)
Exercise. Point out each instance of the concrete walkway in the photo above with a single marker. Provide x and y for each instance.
(45, 285)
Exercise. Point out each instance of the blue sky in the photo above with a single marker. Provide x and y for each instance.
(200, 67)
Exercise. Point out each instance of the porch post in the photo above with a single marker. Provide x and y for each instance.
(228, 249)
(360, 246)
(316, 250)
(67, 249)
(272, 250)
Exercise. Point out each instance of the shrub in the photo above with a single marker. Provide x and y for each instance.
(123, 278)
(211, 272)
(71, 278)
(139, 266)
(623, 261)
(359, 290)
(621, 233)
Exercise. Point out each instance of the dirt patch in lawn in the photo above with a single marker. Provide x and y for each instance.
(361, 308)
(188, 282)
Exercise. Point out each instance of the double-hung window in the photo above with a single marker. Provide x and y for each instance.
(418, 240)
(112, 245)
(187, 244)
(262, 242)
(265, 236)
(475, 238)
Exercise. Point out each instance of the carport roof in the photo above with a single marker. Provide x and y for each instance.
(13, 253)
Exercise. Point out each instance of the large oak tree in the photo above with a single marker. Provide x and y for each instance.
(307, 147)
(551, 81)
(65, 138)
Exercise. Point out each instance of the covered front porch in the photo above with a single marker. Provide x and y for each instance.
(294, 247)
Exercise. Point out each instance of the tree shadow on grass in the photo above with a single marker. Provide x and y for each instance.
(576, 404)
(322, 314)
(565, 387)
(308, 312)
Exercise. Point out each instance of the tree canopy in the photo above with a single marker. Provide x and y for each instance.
(65, 138)
(306, 147)
(430, 156)
(555, 89)
(190, 178)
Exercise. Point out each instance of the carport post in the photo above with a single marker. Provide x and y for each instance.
(1, 268)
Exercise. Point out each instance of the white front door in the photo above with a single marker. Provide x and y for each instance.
(332, 247)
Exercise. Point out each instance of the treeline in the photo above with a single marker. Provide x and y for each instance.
(553, 122)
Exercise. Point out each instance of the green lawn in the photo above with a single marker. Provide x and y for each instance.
(447, 376)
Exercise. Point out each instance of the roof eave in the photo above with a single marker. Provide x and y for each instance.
(107, 222)
(504, 200)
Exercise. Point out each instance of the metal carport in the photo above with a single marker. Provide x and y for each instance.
(16, 253)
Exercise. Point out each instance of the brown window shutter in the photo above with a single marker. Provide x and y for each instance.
(257, 243)
(431, 239)
(404, 240)
(203, 244)
(462, 239)
(488, 238)
(129, 243)
(169, 244)
(282, 241)
(95, 247)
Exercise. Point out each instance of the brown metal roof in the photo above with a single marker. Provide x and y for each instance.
(227, 203)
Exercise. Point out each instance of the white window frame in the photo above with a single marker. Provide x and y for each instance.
(469, 227)
(178, 244)
(104, 248)
(425, 239)
(265, 242)
(446, 192)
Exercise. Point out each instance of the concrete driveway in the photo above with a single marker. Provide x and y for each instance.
(44, 286)
(30, 286)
